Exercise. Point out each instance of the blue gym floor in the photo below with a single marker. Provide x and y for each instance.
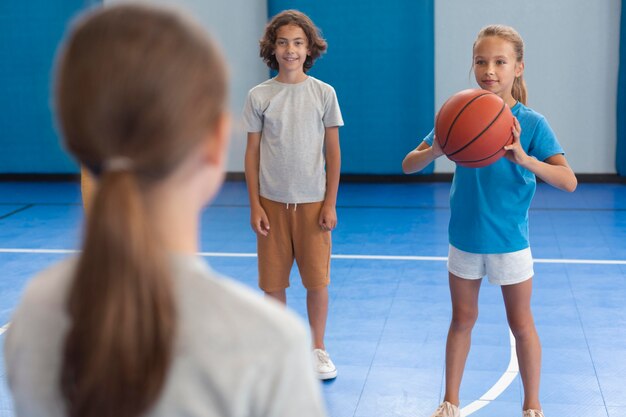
(390, 308)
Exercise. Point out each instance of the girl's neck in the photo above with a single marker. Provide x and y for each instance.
(511, 102)
(177, 227)
(175, 204)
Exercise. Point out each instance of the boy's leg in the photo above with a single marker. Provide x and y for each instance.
(275, 253)
(464, 296)
(317, 309)
(527, 344)
(312, 247)
(280, 295)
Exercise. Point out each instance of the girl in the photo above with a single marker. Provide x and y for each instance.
(488, 229)
(138, 324)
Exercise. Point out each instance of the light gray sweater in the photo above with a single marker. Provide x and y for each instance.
(236, 354)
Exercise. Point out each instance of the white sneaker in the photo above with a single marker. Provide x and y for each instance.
(532, 413)
(447, 409)
(324, 367)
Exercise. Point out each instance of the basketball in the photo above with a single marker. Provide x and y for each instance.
(473, 126)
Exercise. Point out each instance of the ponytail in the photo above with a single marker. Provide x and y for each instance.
(519, 91)
(121, 308)
(142, 87)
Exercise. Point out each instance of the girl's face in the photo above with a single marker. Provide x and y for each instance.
(496, 67)
(291, 48)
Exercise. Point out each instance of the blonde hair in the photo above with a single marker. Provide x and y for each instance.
(519, 91)
(143, 86)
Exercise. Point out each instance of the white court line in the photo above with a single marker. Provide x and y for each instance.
(336, 256)
(498, 388)
(4, 328)
(38, 250)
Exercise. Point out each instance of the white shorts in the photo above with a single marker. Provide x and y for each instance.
(501, 268)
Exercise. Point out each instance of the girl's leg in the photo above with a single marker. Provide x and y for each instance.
(464, 295)
(528, 347)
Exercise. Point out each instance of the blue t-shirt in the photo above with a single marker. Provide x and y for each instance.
(489, 205)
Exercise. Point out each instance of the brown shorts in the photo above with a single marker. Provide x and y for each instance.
(294, 234)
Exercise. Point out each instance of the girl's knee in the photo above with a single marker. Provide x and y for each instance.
(522, 329)
(464, 320)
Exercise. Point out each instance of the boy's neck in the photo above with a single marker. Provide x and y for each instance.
(291, 77)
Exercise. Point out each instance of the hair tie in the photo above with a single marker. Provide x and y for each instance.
(117, 164)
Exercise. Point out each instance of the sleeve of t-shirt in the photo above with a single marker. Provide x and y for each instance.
(31, 369)
(430, 138)
(544, 143)
(332, 113)
(252, 115)
(288, 386)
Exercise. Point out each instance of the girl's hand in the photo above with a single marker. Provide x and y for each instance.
(514, 152)
(436, 148)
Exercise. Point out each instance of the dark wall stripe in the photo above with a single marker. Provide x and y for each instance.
(380, 60)
(30, 33)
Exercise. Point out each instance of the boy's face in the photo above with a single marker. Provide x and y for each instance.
(291, 48)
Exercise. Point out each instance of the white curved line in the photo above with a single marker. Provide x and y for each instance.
(4, 328)
(498, 388)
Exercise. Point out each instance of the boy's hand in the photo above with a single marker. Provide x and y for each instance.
(515, 153)
(328, 218)
(259, 221)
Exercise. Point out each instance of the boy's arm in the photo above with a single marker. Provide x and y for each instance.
(258, 218)
(328, 215)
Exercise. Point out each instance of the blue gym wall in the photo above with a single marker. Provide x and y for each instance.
(30, 32)
(380, 60)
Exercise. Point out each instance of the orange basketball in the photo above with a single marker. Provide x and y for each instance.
(473, 126)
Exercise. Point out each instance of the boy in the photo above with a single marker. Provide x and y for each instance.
(292, 166)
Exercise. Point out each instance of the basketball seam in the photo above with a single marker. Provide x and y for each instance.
(481, 133)
(443, 147)
(479, 160)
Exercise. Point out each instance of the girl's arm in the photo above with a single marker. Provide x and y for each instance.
(420, 157)
(328, 215)
(554, 170)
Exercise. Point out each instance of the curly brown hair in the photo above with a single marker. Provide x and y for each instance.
(315, 42)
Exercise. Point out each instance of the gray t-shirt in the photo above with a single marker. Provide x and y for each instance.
(292, 119)
(236, 354)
